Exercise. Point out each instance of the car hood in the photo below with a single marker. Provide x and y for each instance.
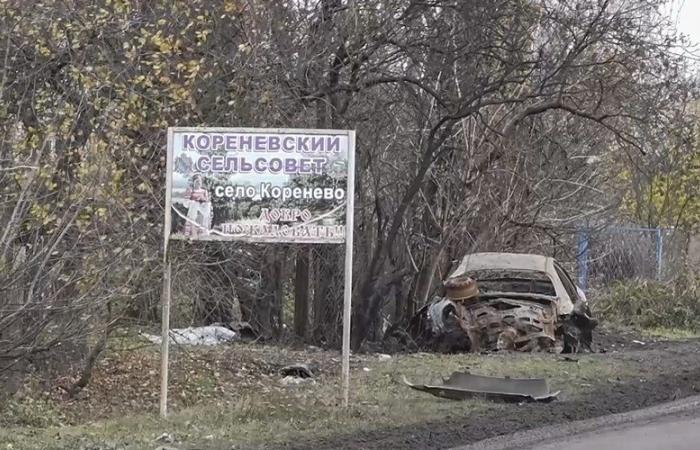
(517, 261)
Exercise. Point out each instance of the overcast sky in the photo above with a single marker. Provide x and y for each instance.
(687, 14)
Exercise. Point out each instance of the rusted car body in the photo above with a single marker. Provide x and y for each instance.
(524, 302)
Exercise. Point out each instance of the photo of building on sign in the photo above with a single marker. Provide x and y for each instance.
(195, 208)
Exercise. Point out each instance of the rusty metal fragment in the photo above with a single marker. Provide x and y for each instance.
(299, 371)
(464, 385)
(508, 324)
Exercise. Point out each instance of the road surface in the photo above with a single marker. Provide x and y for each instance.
(669, 433)
(670, 426)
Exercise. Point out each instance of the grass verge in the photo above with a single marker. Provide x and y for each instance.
(651, 305)
(233, 395)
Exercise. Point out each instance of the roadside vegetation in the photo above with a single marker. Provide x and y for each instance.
(670, 308)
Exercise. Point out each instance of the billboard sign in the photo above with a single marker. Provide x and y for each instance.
(258, 185)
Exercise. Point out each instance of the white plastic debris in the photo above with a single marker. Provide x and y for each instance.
(209, 335)
(165, 437)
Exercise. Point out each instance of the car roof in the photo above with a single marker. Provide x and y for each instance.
(513, 261)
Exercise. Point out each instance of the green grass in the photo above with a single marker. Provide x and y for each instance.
(652, 305)
(256, 410)
(671, 334)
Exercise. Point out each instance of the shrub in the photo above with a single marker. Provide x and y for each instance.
(652, 304)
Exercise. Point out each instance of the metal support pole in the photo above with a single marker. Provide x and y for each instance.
(165, 340)
(659, 252)
(167, 275)
(582, 259)
(347, 291)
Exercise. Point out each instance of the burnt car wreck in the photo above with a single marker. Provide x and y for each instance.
(506, 301)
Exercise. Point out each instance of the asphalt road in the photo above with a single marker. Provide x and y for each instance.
(669, 433)
(670, 426)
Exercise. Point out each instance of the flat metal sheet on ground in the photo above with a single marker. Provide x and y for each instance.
(463, 385)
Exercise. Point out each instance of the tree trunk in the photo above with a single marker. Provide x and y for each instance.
(328, 295)
(301, 292)
(279, 276)
(265, 311)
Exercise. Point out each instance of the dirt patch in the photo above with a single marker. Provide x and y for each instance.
(619, 397)
(673, 372)
(608, 340)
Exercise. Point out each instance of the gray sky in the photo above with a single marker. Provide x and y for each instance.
(687, 15)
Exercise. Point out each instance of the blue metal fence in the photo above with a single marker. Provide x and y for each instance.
(617, 253)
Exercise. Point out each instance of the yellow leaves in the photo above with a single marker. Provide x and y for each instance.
(117, 175)
(43, 50)
(57, 33)
(34, 141)
(119, 6)
(625, 175)
(134, 100)
(165, 44)
(202, 36)
(182, 95)
(669, 198)
(161, 123)
(233, 7)
(133, 121)
(143, 80)
(189, 69)
(42, 214)
(131, 51)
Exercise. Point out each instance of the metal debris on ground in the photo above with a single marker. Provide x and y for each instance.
(309, 370)
(464, 385)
